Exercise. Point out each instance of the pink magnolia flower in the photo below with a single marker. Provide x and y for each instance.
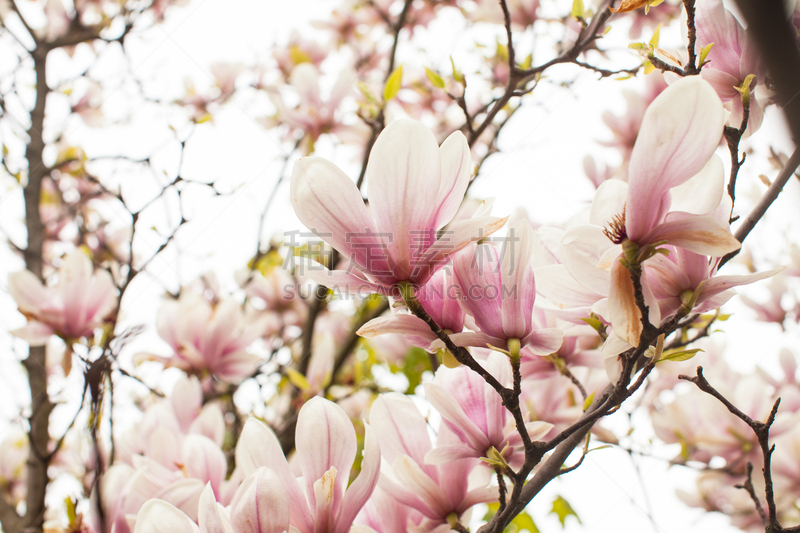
(733, 57)
(395, 240)
(680, 131)
(440, 299)
(326, 448)
(208, 339)
(72, 309)
(260, 506)
(684, 278)
(314, 116)
(498, 290)
(436, 491)
(474, 412)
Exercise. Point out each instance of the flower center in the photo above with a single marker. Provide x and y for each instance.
(616, 231)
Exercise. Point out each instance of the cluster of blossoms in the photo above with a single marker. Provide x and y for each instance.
(508, 334)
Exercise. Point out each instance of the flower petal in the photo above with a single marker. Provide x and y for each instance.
(679, 133)
(158, 516)
(261, 504)
(324, 438)
(456, 171)
(361, 489)
(258, 446)
(699, 234)
(404, 165)
(328, 203)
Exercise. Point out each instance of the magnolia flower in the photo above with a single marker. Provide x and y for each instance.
(440, 299)
(498, 290)
(733, 57)
(314, 116)
(208, 339)
(436, 491)
(320, 502)
(72, 309)
(679, 133)
(684, 279)
(396, 239)
(474, 412)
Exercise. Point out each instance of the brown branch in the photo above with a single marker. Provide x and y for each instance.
(748, 486)
(761, 430)
(692, 67)
(518, 77)
(41, 406)
(766, 201)
(732, 137)
(462, 355)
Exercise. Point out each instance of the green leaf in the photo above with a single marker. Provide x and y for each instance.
(637, 46)
(393, 84)
(655, 37)
(297, 379)
(457, 75)
(704, 53)
(72, 515)
(522, 520)
(434, 78)
(595, 323)
(563, 509)
(648, 67)
(416, 363)
(588, 401)
(679, 355)
(577, 9)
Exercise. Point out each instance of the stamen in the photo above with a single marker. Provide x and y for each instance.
(616, 231)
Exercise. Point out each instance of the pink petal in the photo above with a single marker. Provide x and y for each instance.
(258, 446)
(403, 324)
(204, 460)
(411, 476)
(454, 414)
(34, 333)
(158, 516)
(518, 289)
(476, 496)
(544, 341)
(450, 452)
(210, 515)
(325, 437)
(403, 167)
(457, 235)
(327, 202)
(477, 339)
(679, 133)
(29, 293)
(361, 489)
(186, 400)
(261, 504)
(719, 284)
(400, 428)
(456, 171)
(699, 234)
(339, 281)
(608, 202)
